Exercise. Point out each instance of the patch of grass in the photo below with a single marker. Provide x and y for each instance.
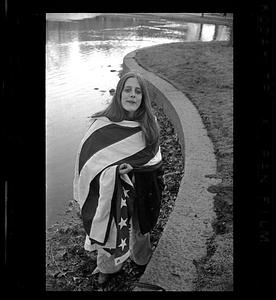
(204, 73)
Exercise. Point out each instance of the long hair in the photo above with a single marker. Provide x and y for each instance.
(143, 115)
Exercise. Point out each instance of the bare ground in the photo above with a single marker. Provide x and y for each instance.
(204, 73)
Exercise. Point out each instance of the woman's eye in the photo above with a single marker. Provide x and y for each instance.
(128, 90)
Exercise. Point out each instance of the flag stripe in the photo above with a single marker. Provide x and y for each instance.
(106, 198)
(156, 159)
(103, 121)
(97, 124)
(102, 215)
(89, 208)
(139, 158)
(105, 137)
(105, 158)
(122, 258)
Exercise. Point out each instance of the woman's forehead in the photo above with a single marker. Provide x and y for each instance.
(132, 81)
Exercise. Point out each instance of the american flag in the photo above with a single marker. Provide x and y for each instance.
(123, 213)
(105, 197)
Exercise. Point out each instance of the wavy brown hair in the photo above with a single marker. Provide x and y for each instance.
(143, 115)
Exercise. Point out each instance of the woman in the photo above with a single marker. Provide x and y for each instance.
(118, 178)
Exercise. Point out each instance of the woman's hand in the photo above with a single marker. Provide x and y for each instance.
(125, 168)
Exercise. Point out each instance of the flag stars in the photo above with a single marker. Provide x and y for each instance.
(123, 223)
(125, 192)
(123, 203)
(123, 244)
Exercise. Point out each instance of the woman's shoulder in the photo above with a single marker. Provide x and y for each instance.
(97, 121)
(100, 119)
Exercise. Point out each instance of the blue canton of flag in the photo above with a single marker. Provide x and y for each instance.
(124, 210)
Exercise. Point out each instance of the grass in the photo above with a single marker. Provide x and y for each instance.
(204, 73)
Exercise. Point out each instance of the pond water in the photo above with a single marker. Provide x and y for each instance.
(84, 53)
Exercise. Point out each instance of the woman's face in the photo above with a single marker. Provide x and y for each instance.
(131, 96)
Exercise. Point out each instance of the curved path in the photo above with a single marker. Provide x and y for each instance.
(189, 225)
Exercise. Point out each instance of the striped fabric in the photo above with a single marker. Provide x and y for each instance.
(106, 197)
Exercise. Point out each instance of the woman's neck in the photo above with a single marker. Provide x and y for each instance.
(130, 115)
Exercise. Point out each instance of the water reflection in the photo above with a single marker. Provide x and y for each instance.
(108, 27)
(83, 60)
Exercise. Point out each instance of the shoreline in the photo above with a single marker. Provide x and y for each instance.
(208, 84)
(192, 18)
(208, 18)
(213, 268)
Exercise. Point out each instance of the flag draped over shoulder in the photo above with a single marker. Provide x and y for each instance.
(106, 197)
